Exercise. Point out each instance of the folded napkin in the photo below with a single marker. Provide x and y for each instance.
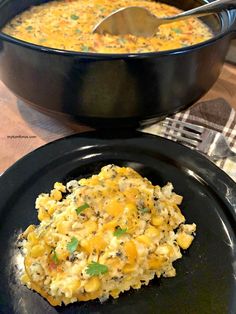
(215, 114)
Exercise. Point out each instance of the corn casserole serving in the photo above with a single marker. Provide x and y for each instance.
(103, 235)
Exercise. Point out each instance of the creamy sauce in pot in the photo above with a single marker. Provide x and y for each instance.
(68, 24)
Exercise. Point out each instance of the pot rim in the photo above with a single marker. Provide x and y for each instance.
(97, 55)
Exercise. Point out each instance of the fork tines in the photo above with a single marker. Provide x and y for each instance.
(184, 132)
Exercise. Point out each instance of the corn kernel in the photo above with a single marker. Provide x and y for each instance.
(32, 238)
(60, 187)
(144, 240)
(131, 194)
(43, 215)
(128, 268)
(131, 251)
(92, 285)
(62, 253)
(94, 180)
(151, 231)
(137, 285)
(37, 250)
(52, 209)
(184, 240)
(171, 250)
(163, 250)
(177, 199)
(74, 286)
(90, 226)
(25, 278)
(156, 262)
(114, 208)
(113, 262)
(157, 220)
(49, 239)
(166, 249)
(115, 293)
(56, 195)
(110, 225)
(89, 296)
(128, 278)
(83, 181)
(97, 243)
(28, 230)
(64, 226)
(131, 208)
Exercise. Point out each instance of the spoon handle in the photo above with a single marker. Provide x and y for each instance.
(205, 9)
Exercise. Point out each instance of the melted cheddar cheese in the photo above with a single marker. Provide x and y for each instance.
(103, 235)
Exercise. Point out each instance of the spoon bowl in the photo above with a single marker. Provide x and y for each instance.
(139, 21)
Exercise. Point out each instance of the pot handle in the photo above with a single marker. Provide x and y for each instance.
(233, 29)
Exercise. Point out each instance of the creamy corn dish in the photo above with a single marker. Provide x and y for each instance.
(68, 24)
(103, 235)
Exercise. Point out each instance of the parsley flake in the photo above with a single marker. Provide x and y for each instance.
(72, 245)
(55, 257)
(29, 28)
(177, 30)
(119, 232)
(74, 17)
(144, 210)
(81, 208)
(84, 48)
(95, 269)
(122, 40)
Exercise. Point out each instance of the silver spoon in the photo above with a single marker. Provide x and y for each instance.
(139, 21)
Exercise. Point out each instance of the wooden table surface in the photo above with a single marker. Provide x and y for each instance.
(22, 129)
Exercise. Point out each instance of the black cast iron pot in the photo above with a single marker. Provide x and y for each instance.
(111, 89)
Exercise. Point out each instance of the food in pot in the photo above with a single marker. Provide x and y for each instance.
(103, 235)
(68, 24)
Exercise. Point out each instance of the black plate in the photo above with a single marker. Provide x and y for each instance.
(205, 281)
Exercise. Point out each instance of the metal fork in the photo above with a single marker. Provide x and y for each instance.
(207, 141)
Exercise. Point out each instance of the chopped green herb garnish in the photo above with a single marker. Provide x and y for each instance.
(74, 17)
(78, 31)
(29, 28)
(119, 232)
(55, 257)
(144, 210)
(81, 208)
(122, 40)
(95, 269)
(72, 245)
(177, 30)
(84, 48)
(100, 8)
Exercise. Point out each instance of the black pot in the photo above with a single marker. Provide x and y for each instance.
(107, 89)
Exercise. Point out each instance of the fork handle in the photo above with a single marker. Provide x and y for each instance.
(232, 154)
(217, 157)
(205, 9)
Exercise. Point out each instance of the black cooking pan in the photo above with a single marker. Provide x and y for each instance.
(111, 89)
